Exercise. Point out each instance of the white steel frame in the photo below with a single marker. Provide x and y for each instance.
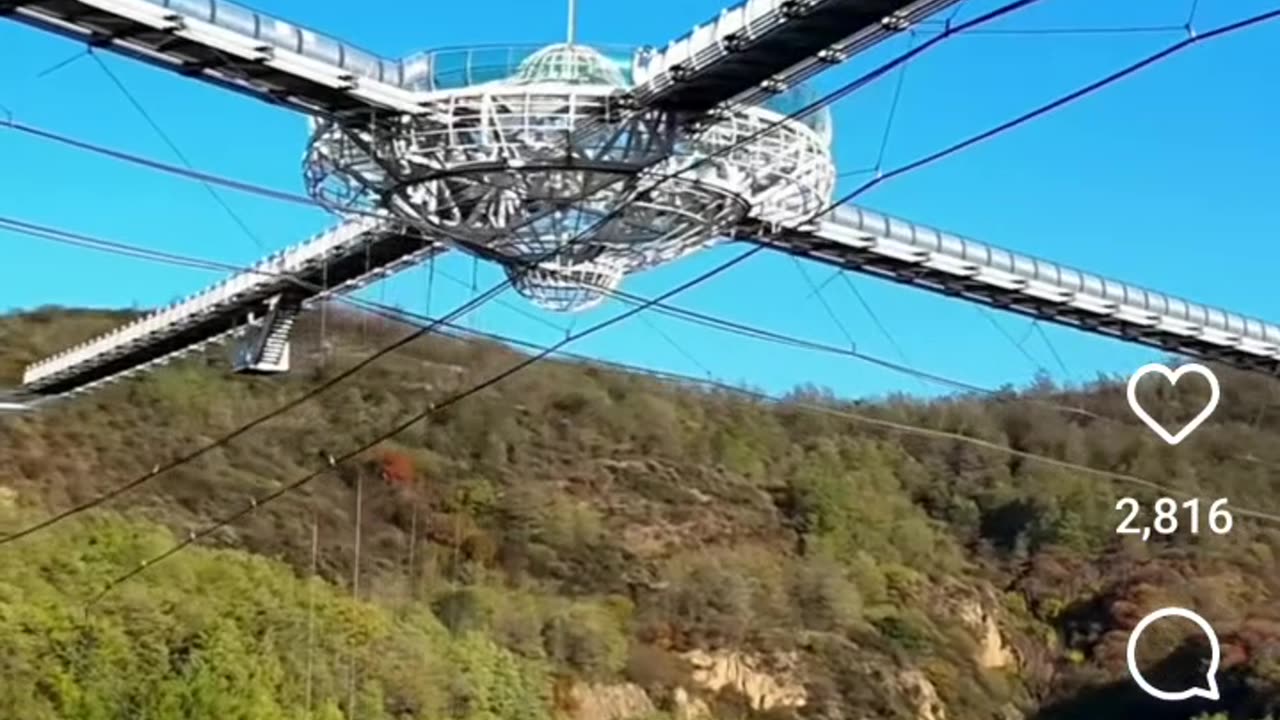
(502, 167)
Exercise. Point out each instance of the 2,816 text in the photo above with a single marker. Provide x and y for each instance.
(1168, 516)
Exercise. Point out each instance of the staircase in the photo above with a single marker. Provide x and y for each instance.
(265, 346)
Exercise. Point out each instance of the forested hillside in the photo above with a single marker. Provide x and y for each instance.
(578, 542)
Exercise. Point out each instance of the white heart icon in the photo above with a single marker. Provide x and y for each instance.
(1173, 376)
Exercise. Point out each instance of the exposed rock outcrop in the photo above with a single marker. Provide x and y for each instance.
(993, 652)
(625, 701)
(766, 684)
(688, 707)
(976, 613)
(922, 695)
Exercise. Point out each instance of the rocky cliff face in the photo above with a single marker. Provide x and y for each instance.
(922, 694)
(765, 689)
(766, 684)
(992, 652)
(598, 701)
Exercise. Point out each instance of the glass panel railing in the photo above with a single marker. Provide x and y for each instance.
(287, 36)
(452, 68)
(444, 68)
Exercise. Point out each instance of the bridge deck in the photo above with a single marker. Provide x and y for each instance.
(758, 47)
(231, 46)
(733, 58)
(906, 252)
(355, 253)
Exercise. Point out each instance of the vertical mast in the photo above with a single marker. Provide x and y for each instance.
(573, 22)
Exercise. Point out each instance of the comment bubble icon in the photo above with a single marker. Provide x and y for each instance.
(1210, 689)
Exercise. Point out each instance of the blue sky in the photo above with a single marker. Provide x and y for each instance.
(1166, 179)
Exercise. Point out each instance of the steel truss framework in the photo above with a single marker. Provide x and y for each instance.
(503, 168)
(399, 137)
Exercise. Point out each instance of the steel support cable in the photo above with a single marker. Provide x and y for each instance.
(766, 335)
(1044, 337)
(497, 378)
(840, 93)
(951, 16)
(1026, 334)
(823, 285)
(893, 107)
(875, 317)
(889, 118)
(431, 409)
(1004, 333)
(177, 151)
(1066, 99)
(61, 64)
(684, 352)
(1101, 30)
(461, 331)
(831, 313)
(877, 168)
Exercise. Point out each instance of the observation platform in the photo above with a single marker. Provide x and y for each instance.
(868, 242)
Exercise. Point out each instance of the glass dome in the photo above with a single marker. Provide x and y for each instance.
(458, 67)
(576, 64)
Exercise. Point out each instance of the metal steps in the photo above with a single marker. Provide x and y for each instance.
(264, 347)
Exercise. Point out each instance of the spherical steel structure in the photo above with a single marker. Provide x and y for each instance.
(531, 157)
